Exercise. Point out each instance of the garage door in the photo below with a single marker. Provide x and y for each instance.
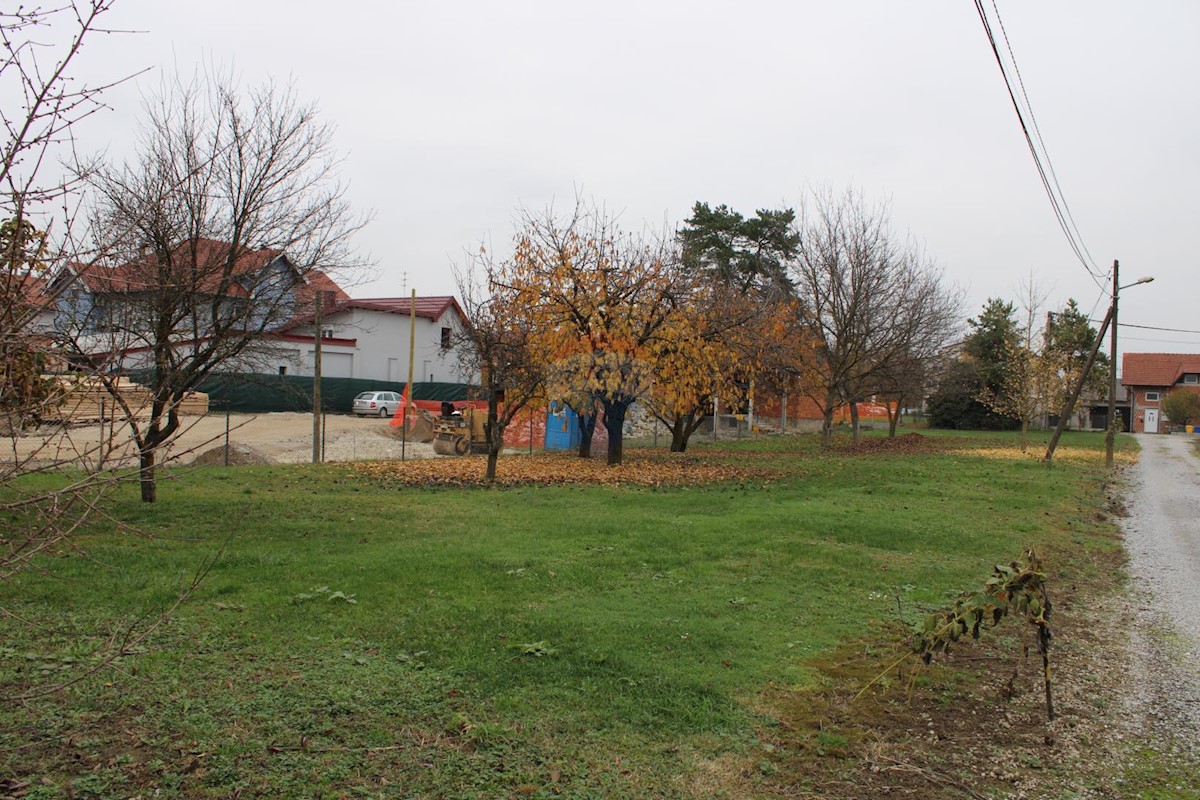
(335, 365)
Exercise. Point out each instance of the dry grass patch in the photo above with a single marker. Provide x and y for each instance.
(1082, 456)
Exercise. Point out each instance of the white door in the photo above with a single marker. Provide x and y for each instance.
(1151, 420)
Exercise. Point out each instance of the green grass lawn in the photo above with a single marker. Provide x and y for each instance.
(360, 640)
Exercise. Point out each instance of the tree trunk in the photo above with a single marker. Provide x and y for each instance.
(587, 427)
(614, 423)
(680, 432)
(146, 475)
(495, 436)
(855, 432)
(493, 457)
(831, 400)
(827, 427)
(148, 443)
(893, 418)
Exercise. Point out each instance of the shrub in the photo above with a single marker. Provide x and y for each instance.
(1182, 407)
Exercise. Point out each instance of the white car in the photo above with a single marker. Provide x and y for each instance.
(377, 404)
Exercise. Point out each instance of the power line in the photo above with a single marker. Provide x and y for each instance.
(1096, 305)
(1095, 270)
(1159, 341)
(1150, 327)
(1153, 328)
(1057, 201)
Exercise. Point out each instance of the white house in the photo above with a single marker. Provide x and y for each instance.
(110, 313)
(368, 339)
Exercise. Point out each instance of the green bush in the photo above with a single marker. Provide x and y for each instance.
(1182, 407)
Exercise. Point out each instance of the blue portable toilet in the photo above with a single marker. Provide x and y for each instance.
(562, 427)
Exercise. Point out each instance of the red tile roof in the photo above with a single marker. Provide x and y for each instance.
(428, 307)
(206, 255)
(30, 290)
(1157, 369)
(317, 281)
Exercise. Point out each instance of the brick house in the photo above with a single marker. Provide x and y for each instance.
(1150, 377)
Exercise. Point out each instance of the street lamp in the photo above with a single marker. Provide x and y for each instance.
(1110, 435)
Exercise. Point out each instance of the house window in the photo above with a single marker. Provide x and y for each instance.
(283, 370)
(1191, 378)
(1151, 397)
(327, 333)
(445, 338)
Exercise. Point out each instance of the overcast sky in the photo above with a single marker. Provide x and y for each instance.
(453, 115)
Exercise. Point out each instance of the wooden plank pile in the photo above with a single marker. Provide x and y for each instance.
(87, 399)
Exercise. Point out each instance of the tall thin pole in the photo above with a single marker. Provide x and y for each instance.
(317, 454)
(412, 354)
(1070, 405)
(1111, 433)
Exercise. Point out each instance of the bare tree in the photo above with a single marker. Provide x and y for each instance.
(927, 322)
(44, 102)
(872, 302)
(902, 381)
(218, 233)
(495, 343)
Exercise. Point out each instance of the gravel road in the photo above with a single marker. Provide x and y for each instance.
(283, 438)
(1162, 536)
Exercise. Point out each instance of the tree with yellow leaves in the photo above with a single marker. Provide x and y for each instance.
(599, 302)
(693, 361)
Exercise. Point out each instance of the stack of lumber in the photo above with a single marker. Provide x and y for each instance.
(88, 399)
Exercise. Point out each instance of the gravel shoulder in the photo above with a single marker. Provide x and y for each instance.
(1162, 537)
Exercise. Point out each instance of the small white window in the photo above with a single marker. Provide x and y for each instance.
(1192, 378)
(327, 333)
(1151, 397)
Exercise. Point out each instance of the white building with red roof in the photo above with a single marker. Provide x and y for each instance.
(99, 311)
(369, 339)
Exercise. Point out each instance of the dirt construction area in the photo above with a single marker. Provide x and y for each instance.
(276, 438)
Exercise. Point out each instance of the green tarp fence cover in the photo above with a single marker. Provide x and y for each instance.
(263, 393)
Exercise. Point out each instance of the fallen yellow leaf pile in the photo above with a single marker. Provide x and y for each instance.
(560, 469)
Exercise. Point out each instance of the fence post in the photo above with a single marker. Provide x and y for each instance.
(100, 451)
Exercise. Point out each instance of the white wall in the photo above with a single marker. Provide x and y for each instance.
(381, 349)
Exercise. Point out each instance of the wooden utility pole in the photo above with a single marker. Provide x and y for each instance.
(318, 454)
(1087, 369)
(412, 354)
(1111, 433)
